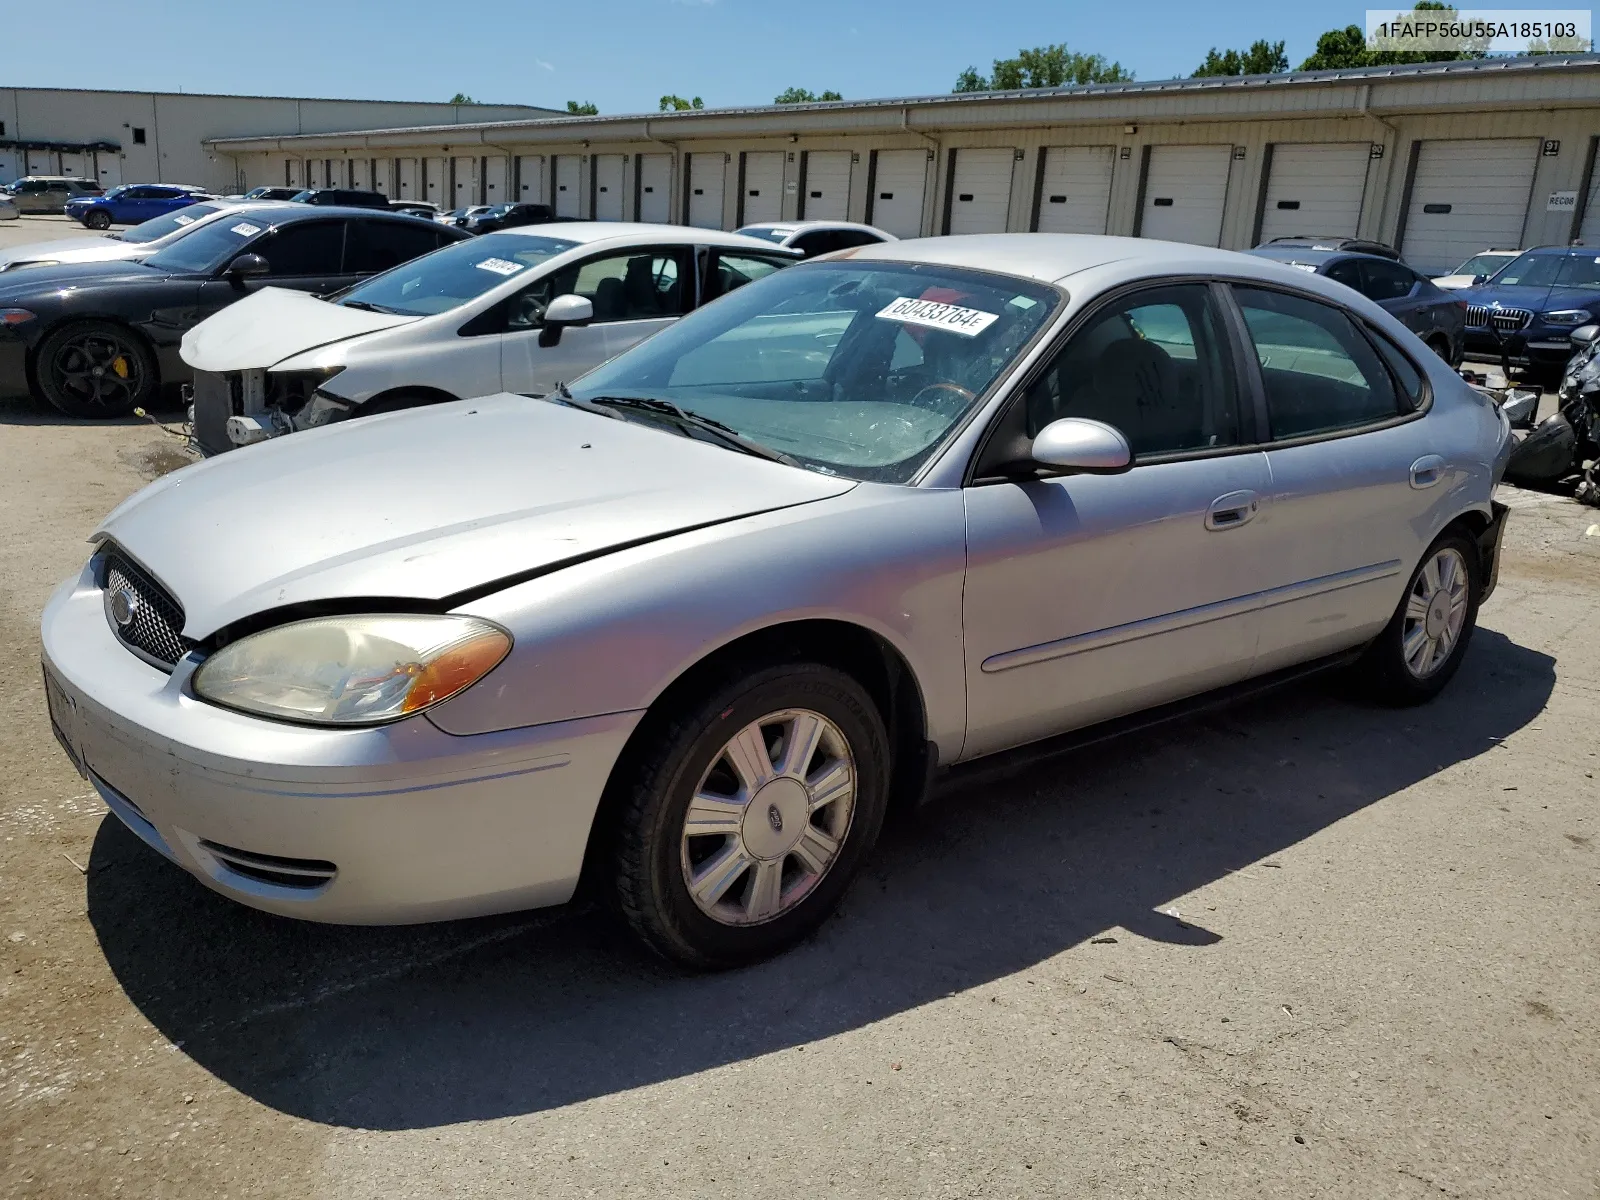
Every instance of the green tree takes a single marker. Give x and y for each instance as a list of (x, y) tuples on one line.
[(1043, 67), (1347, 47), (1263, 58), (679, 104), (582, 110), (796, 95), (462, 98)]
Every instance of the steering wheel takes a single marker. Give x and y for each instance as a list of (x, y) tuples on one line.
[(936, 392)]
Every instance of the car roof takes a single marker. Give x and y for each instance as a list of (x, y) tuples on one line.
[(599, 231), (788, 227), (1049, 257)]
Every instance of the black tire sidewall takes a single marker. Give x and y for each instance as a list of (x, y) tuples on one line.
[(677, 926), (1392, 682), (45, 358), (98, 220)]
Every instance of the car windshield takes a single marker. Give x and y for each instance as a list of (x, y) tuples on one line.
[(157, 227), (1482, 264), (450, 277), (765, 232), (855, 368), (206, 247)]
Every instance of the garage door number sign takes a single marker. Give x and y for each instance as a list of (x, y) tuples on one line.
[(1562, 202)]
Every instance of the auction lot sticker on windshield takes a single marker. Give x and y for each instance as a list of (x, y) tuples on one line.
[(185, 220), (969, 322), (245, 229), (500, 266)]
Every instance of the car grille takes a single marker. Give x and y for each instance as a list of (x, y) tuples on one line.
[(302, 873), (152, 621), (1506, 320)]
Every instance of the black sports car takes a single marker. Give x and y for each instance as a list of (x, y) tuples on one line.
[(97, 339)]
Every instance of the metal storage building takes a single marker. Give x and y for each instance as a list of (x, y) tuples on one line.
[(1442, 159)]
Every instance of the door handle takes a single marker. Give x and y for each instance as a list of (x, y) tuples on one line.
[(1427, 471), (1233, 510)]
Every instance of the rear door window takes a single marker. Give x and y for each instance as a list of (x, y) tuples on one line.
[(304, 248), (1321, 373), (1387, 280), (731, 270), (373, 246)]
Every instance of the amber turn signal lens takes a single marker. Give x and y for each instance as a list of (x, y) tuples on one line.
[(461, 666)]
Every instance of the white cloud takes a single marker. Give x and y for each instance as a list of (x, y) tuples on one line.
[(544, 66)]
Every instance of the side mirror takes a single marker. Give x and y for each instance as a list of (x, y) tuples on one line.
[(249, 266), (569, 309), (1584, 334), (1477, 279), (1079, 444)]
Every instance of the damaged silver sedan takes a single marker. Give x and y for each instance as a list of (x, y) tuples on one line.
[(687, 627)]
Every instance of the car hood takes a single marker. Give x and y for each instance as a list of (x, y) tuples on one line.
[(70, 250), (76, 274), (275, 324), (431, 503), (1507, 297)]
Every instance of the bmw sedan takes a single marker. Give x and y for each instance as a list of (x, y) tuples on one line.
[(96, 339), (688, 627), (520, 310), (1436, 316)]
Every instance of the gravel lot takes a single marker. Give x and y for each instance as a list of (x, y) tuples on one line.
[(1297, 947)]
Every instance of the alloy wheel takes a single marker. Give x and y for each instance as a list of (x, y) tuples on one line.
[(1436, 611), (98, 370), (769, 817)]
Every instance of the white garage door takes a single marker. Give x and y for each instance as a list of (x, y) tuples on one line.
[(1185, 193), (1075, 193), (565, 168), (762, 198), (1468, 196), (361, 173), (655, 188), (530, 178), (608, 186), (826, 194), (496, 180), (1315, 190), (383, 176), (706, 175), (1589, 231), (407, 184), (467, 184), (436, 181), (980, 191), (900, 180)]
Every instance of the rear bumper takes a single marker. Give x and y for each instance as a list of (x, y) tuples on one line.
[(1489, 548), (396, 824)]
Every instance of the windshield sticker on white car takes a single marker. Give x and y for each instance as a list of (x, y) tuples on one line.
[(968, 322), (500, 266), (245, 229), (185, 220)]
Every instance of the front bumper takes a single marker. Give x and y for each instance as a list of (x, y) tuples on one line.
[(390, 825), (1536, 346), (13, 362)]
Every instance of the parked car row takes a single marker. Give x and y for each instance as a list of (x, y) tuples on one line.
[(46, 193), (779, 541)]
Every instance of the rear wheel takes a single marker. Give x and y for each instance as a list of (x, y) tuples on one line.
[(745, 818), (98, 219), (1422, 646), (95, 369)]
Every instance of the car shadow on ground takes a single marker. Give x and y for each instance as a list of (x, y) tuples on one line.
[(25, 409), (431, 1025)]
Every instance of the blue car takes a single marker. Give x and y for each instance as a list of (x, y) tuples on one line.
[(1530, 307), (133, 203)]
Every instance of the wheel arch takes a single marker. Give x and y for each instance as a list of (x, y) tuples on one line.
[(31, 361), (869, 658), (390, 396)]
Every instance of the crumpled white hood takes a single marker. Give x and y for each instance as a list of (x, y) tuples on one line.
[(272, 325), (432, 502)]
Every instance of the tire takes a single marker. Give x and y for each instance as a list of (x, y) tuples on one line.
[(770, 862), (97, 218), (1394, 670), (94, 370)]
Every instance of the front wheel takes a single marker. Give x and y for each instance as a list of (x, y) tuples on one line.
[(95, 369), (98, 219), (1422, 646), (745, 818)]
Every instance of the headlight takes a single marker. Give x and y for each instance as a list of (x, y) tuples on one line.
[(1568, 316), (362, 670)]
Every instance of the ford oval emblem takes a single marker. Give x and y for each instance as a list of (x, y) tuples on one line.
[(775, 818), (123, 606)]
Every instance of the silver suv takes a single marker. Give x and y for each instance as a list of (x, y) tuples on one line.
[(49, 193)]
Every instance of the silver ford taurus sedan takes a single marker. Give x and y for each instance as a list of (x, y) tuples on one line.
[(688, 626)]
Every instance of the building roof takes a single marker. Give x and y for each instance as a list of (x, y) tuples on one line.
[(256, 96), (687, 123)]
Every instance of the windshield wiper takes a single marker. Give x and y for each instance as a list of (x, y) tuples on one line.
[(365, 307), (687, 419)]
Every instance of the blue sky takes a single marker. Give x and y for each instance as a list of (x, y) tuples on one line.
[(621, 54)]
